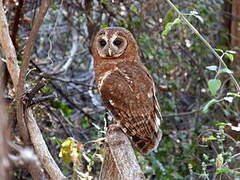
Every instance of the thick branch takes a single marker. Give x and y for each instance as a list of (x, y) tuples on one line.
[(24, 68), (120, 162), (3, 136), (41, 149), (8, 48)]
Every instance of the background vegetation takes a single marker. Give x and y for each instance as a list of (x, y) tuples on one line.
[(198, 99)]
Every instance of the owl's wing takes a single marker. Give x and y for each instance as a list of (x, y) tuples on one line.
[(129, 93)]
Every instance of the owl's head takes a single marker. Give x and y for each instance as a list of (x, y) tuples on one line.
[(114, 42)]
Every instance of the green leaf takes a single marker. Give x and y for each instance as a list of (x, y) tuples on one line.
[(104, 25), (233, 94), (210, 103), (56, 140), (177, 21), (169, 26), (230, 56), (212, 68), (211, 138), (221, 124), (69, 148), (214, 85), (133, 8), (220, 171), (219, 50), (225, 70)]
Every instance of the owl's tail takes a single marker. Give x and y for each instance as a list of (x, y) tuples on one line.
[(147, 145)]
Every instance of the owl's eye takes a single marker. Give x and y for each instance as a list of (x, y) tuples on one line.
[(102, 43), (117, 42)]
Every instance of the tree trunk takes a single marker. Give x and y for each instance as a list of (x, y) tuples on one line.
[(120, 162), (235, 35)]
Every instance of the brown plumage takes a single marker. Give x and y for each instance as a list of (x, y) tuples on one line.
[(126, 88)]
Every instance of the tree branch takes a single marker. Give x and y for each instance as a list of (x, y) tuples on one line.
[(8, 48), (26, 59), (41, 149), (120, 161)]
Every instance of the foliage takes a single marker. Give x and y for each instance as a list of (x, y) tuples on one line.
[(201, 144)]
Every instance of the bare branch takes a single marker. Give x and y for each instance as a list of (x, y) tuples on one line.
[(3, 137), (8, 48), (41, 149), (27, 158), (26, 59), (73, 51), (120, 161)]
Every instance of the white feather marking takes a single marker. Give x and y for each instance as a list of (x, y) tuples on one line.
[(111, 102), (150, 94), (102, 78), (114, 36), (157, 121)]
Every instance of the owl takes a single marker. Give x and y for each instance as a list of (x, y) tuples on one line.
[(126, 88)]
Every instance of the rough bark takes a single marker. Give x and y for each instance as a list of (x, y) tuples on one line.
[(3, 136), (41, 149), (120, 162), (235, 35), (29, 130), (8, 48)]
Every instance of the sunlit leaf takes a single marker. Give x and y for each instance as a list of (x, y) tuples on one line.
[(219, 161), (221, 124), (233, 94), (231, 52), (69, 151), (211, 138), (214, 85), (210, 103), (212, 68), (230, 56), (225, 70), (177, 21), (229, 99), (219, 50), (220, 171), (199, 18)]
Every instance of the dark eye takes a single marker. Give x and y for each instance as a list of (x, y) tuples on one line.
[(102, 43), (117, 42)]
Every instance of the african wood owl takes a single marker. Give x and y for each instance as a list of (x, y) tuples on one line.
[(126, 88)]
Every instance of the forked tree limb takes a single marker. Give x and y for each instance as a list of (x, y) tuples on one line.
[(28, 128), (23, 71), (120, 162), (42, 150)]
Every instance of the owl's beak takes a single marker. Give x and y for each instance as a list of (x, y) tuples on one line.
[(109, 52)]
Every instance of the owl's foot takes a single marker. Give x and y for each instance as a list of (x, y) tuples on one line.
[(114, 127)]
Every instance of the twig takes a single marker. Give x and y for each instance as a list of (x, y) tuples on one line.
[(204, 41), (120, 161), (181, 114), (72, 53), (41, 99)]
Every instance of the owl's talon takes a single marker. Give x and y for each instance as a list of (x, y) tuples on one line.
[(114, 127)]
